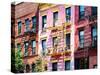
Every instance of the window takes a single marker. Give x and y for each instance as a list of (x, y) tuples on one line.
[(33, 46), (68, 41), (43, 46), (95, 66), (44, 21), (34, 22), (28, 68), (18, 47), (55, 42), (33, 67), (94, 36), (27, 22), (46, 68), (94, 10), (19, 27), (68, 14), (81, 11), (54, 66), (55, 17), (81, 63), (67, 65), (81, 38), (26, 48)]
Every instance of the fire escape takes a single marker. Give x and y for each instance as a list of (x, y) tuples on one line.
[(56, 51)]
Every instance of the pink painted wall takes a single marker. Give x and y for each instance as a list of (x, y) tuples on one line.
[(61, 20)]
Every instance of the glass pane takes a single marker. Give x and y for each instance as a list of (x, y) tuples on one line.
[(44, 20), (94, 10), (34, 19), (34, 43), (68, 11), (26, 46), (94, 31), (81, 38), (55, 15), (27, 21), (68, 39), (43, 44), (81, 8), (67, 65), (19, 27), (81, 33), (54, 66), (55, 42)]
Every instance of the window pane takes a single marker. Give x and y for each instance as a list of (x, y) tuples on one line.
[(81, 8), (55, 17), (67, 65), (34, 21), (68, 13), (33, 67), (27, 21), (54, 66), (94, 36), (34, 43), (68, 41), (94, 10), (26, 47), (44, 21), (43, 44), (81, 11), (94, 31), (19, 27), (81, 39), (55, 42), (27, 24)]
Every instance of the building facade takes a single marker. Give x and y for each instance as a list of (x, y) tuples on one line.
[(55, 22), (63, 36), (85, 37), (26, 33)]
